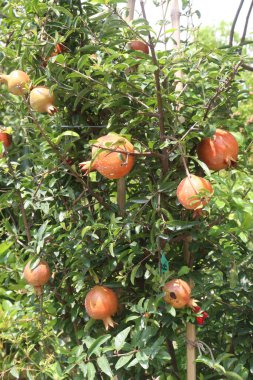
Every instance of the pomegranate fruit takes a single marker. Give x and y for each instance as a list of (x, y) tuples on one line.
[(139, 45), (201, 317), (5, 138), (41, 100), (219, 152), (17, 82), (178, 294), (111, 164), (101, 303), (38, 276), (194, 192)]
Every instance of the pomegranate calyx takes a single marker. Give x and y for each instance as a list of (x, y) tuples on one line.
[(109, 322), (192, 303), (51, 110), (86, 167), (4, 78), (38, 290)]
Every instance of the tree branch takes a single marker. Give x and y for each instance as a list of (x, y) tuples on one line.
[(154, 154), (231, 36), (63, 159), (247, 67), (246, 23), (22, 207), (222, 88), (164, 159), (173, 358)]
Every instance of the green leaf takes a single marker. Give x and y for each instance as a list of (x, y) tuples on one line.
[(91, 371), (133, 273), (65, 133), (233, 376), (104, 365), (97, 343), (122, 361), (121, 337), (5, 246), (14, 372), (183, 270), (143, 359)]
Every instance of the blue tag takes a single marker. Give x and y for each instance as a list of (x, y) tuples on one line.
[(164, 263)]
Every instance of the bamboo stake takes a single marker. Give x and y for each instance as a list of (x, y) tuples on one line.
[(175, 21), (130, 6), (121, 183), (190, 328), (191, 352)]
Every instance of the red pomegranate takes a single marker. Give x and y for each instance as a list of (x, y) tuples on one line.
[(219, 152), (5, 137), (201, 317), (194, 192), (101, 303), (38, 276), (110, 164), (42, 100), (178, 294), (17, 82), (139, 46)]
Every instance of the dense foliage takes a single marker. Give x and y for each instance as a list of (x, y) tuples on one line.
[(50, 211)]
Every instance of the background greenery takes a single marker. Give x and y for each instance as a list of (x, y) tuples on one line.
[(48, 210)]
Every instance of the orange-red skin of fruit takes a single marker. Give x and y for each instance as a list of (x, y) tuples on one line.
[(108, 163), (139, 45), (41, 100), (38, 276), (177, 293), (6, 138), (189, 192), (220, 151), (101, 302)]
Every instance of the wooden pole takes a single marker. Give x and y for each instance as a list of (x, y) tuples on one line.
[(191, 352), (190, 328), (121, 183), (130, 6)]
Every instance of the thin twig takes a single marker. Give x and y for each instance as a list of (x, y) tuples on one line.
[(222, 88), (164, 159), (125, 94), (173, 358), (154, 154), (231, 36), (247, 67), (246, 23), (64, 160), (22, 207)]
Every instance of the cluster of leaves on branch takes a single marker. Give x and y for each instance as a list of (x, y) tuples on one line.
[(50, 211)]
